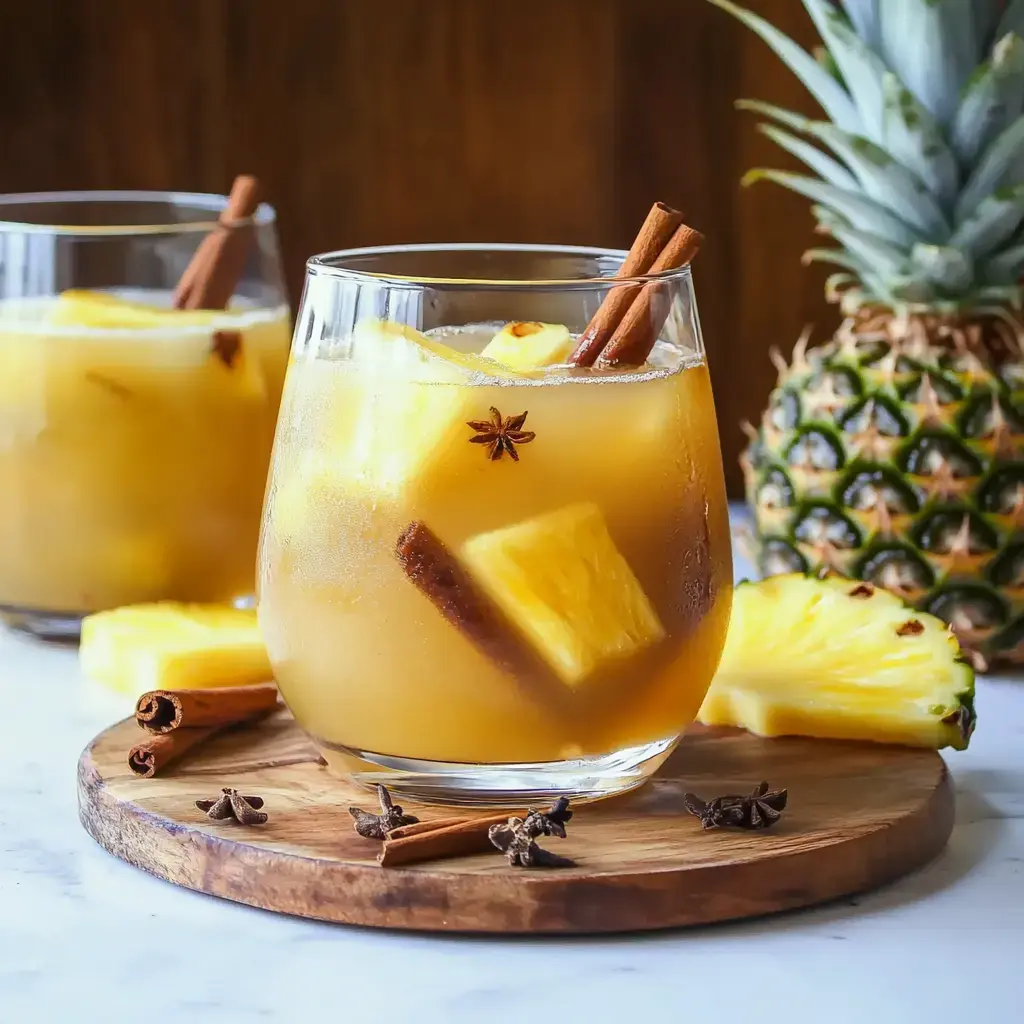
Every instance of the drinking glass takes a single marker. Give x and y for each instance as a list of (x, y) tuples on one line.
[(134, 438), (481, 580)]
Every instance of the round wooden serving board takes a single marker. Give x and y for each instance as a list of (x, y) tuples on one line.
[(859, 815)]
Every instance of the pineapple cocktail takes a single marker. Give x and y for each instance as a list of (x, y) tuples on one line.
[(483, 568), (134, 436)]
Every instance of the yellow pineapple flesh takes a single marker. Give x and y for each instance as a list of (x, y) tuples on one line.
[(529, 345), (840, 659), (82, 308), (167, 645), (565, 586)]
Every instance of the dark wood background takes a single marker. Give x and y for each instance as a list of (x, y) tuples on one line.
[(374, 121)]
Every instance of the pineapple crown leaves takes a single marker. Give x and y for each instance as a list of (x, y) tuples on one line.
[(919, 175)]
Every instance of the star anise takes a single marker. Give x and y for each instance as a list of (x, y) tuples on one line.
[(377, 826), (759, 810), (516, 838), (231, 804), (501, 434)]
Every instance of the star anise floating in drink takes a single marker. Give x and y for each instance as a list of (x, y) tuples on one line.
[(501, 434), (761, 809), (377, 826), (231, 804)]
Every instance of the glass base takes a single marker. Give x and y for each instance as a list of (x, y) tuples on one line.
[(501, 785), (60, 626)]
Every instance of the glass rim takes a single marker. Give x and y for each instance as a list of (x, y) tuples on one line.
[(213, 202), (325, 265)]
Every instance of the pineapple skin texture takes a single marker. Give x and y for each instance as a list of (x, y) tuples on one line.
[(172, 646), (903, 467), (813, 657)]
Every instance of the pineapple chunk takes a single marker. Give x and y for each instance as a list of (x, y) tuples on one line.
[(530, 345), (561, 581), (173, 646), (81, 308), (397, 348), (840, 659)]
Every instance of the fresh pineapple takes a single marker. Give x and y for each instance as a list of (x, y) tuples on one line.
[(529, 345), (173, 646), (562, 582), (83, 308), (840, 659), (894, 453)]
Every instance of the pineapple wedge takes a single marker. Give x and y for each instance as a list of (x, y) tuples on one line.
[(563, 584), (842, 660), (82, 308), (528, 345), (173, 646)]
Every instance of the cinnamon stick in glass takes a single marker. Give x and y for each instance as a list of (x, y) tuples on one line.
[(648, 245), (638, 330), (163, 711), (211, 277)]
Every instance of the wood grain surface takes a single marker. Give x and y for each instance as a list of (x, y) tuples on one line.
[(858, 816), (439, 120)]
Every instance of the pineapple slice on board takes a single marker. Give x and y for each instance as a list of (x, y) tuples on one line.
[(565, 586), (172, 646), (840, 659)]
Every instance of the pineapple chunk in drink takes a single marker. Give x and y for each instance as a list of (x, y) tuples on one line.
[(561, 581)]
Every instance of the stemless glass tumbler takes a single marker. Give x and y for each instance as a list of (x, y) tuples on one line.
[(134, 437), (486, 575)]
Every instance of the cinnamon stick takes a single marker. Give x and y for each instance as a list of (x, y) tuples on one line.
[(404, 831), (163, 711), (654, 235), (159, 749), (211, 277), (454, 841), (438, 574), (636, 334)]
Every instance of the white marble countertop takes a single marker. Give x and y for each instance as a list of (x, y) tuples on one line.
[(86, 938)]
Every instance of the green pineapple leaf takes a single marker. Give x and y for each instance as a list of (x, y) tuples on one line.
[(837, 258), (877, 173), (993, 99), (915, 140), (862, 69), (863, 15), (1004, 267), (826, 90), (952, 270), (873, 251), (992, 222), (828, 169), (932, 47), (1000, 165), (862, 213)]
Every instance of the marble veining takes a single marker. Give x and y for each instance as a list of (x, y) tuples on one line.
[(86, 938)]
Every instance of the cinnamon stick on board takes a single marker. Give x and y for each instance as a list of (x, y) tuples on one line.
[(468, 837), (178, 720), (636, 334), (160, 749), (163, 711), (404, 831), (211, 277), (654, 235)]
